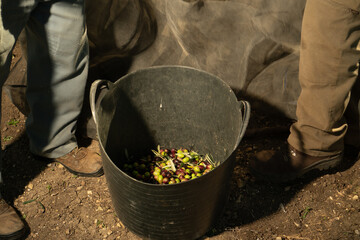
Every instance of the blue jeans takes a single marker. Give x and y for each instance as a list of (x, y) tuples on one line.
[(57, 51)]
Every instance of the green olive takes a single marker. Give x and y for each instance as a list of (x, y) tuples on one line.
[(186, 159), (160, 179)]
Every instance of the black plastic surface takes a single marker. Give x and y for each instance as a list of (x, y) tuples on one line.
[(171, 106)]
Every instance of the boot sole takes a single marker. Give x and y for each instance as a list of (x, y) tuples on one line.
[(98, 173), (323, 165), (16, 235)]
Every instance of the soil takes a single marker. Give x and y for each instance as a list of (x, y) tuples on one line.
[(56, 204)]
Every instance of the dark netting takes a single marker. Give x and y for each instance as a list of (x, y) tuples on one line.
[(253, 45)]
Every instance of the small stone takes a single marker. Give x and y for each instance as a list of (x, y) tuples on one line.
[(240, 183), (296, 224), (89, 192), (355, 197), (248, 149), (357, 232), (67, 231), (103, 231), (60, 166), (30, 186), (278, 238)]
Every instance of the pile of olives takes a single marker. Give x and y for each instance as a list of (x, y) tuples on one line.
[(169, 166)]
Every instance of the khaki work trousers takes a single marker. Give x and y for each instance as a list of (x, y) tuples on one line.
[(328, 75)]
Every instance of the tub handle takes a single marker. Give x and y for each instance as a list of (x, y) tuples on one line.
[(96, 87), (245, 106)]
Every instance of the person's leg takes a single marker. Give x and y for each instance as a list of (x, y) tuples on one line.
[(327, 72), (13, 17), (58, 59), (352, 115), (57, 74)]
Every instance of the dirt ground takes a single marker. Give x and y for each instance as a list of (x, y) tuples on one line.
[(56, 204)]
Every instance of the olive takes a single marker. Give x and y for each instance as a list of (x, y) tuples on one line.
[(160, 179), (165, 180), (185, 159), (197, 169)]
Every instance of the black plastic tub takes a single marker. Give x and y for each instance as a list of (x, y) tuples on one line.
[(170, 106)]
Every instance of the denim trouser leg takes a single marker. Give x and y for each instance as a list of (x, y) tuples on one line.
[(57, 74), (57, 67)]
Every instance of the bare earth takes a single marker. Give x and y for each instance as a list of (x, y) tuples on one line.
[(56, 204)]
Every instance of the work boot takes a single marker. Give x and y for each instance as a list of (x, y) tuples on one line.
[(288, 164), (11, 226), (83, 161)]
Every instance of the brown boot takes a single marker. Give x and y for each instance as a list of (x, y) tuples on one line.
[(288, 164), (83, 161), (11, 226)]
